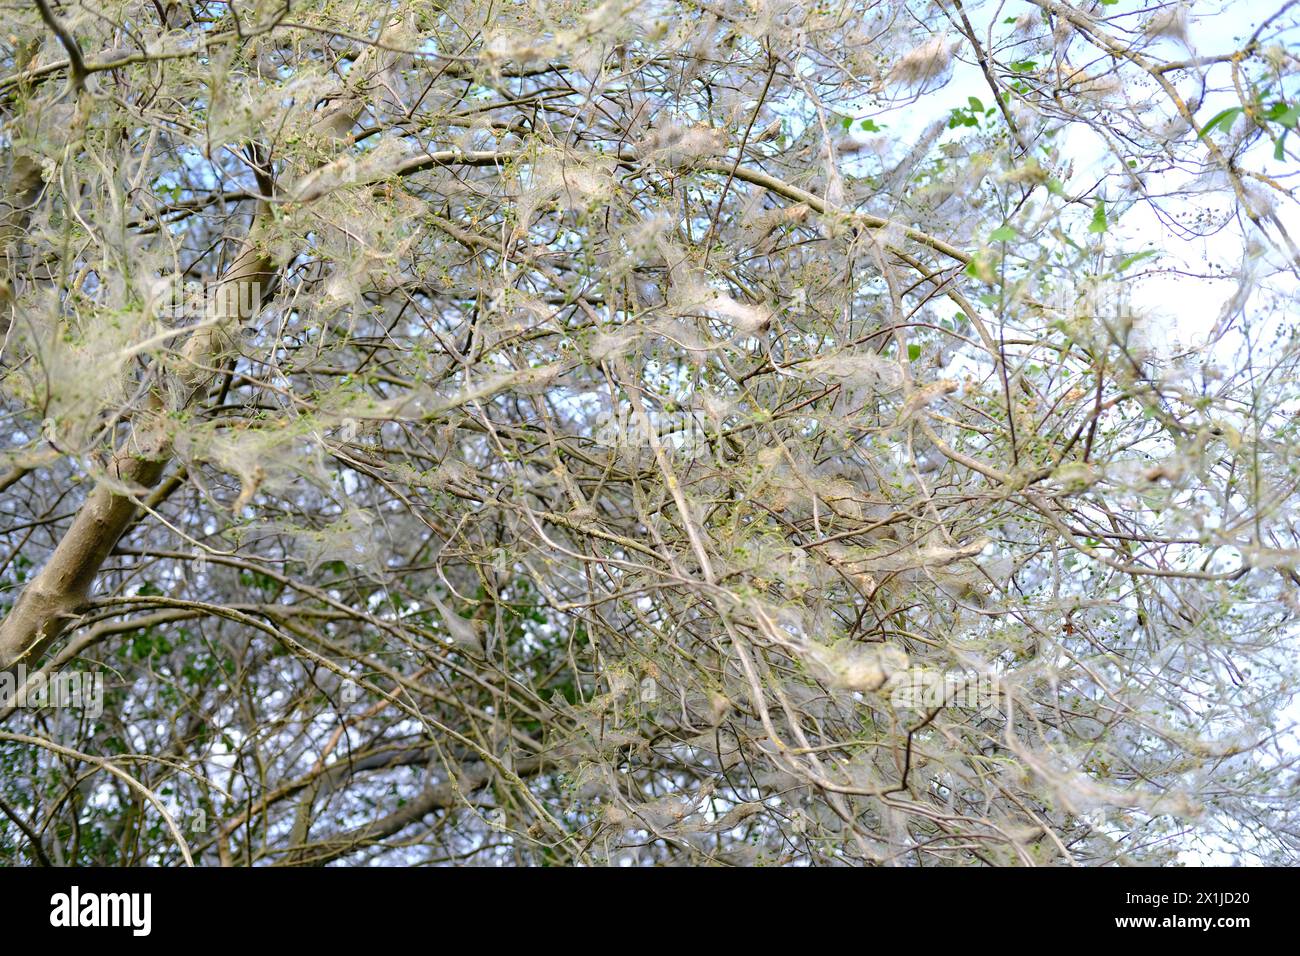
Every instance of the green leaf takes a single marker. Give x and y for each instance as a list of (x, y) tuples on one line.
[(1281, 113), (913, 353), (1136, 257), (975, 104), (1223, 119), (1099, 223), (1003, 234), (869, 126), (961, 116)]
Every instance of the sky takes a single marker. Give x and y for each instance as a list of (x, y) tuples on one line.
[(1180, 312)]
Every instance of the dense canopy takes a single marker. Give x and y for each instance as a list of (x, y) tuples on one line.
[(649, 431)]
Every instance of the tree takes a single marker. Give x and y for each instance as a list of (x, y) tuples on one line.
[(689, 432)]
